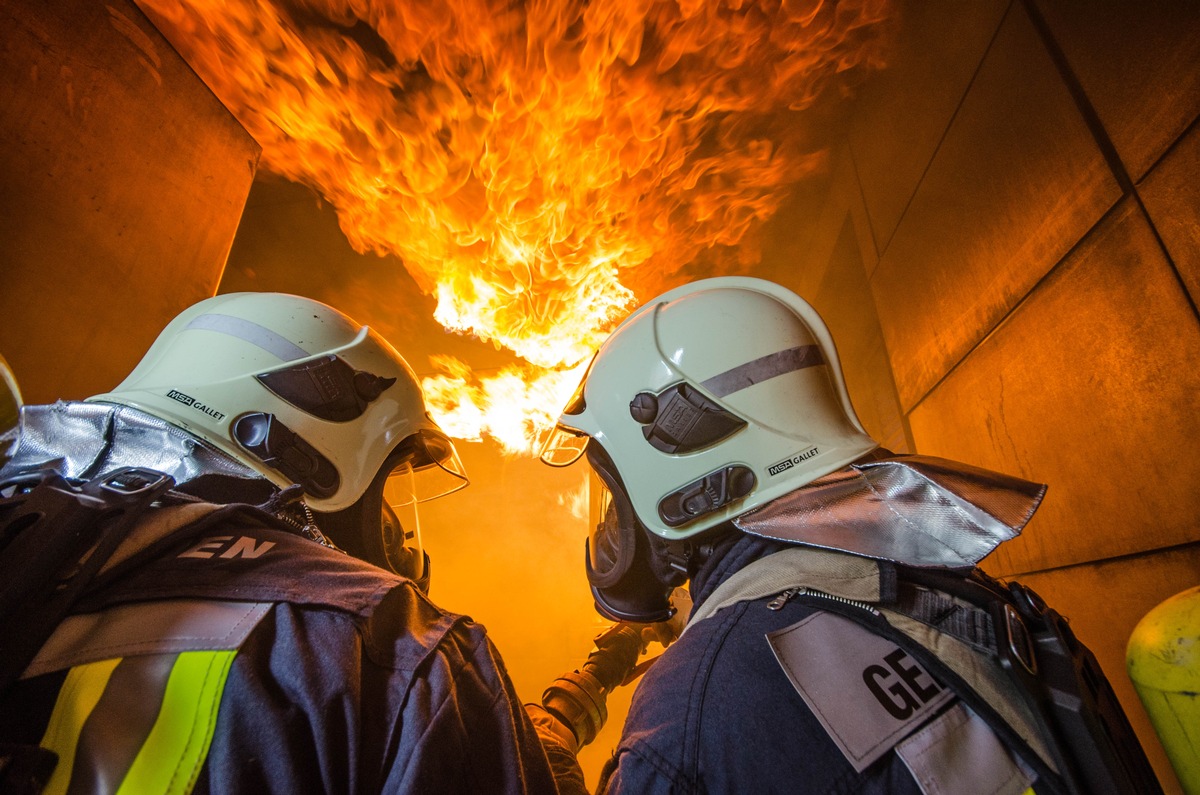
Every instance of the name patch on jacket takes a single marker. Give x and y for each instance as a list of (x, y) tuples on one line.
[(228, 547), (865, 690)]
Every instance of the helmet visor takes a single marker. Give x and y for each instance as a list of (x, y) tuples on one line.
[(609, 549), (437, 470), (612, 537), (401, 525), (564, 446)]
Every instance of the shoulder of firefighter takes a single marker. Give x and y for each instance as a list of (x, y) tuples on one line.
[(919, 680), (154, 643)]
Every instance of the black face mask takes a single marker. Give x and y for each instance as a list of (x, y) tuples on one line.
[(626, 568), (370, 530)]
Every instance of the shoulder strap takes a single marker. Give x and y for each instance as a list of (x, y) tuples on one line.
[(966, 682), (55, 537), (866, 590), (1060, 679)]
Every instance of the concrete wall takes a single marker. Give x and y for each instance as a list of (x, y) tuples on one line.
[(1018, 193), (122, 179)]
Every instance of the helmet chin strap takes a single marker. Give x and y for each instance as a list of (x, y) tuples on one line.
[(687, 556)]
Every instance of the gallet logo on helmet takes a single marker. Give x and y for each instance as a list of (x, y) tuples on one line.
[(788, 463), (188, 400)]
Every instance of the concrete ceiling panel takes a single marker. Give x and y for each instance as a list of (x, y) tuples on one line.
[(122, 180)]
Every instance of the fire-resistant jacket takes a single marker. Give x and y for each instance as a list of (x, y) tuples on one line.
[(775, 694), (247, 659)]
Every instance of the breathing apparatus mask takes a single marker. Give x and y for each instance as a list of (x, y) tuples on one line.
[(422, 468), (628, 569)]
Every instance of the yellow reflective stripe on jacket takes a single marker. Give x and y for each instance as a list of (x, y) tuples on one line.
[(171, 757), (167, 752), (80, 692)]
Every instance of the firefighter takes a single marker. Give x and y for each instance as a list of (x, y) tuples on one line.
[(841, 639), (214, 581)]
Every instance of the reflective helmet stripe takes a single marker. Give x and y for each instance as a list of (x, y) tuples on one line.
[(251, 332), (762, 369), (146, 722)]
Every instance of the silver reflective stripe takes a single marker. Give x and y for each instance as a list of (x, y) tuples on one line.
[(865, 690), (251, 332), (166, 627), (958, 752), (763, 368), (913, 509)]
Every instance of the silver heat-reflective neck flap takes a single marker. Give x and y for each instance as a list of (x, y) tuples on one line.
[(79, 440), (865, 690), (914, 510)]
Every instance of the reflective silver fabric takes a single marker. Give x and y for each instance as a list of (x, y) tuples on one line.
[(915, 510), (82, 440)]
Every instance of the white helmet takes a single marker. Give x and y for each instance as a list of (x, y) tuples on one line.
[(299, 392), (707, 402), (713, 399)]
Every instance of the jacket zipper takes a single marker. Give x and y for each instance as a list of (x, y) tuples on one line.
[(782, 599)]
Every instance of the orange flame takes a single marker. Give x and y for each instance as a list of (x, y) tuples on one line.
[(535, 165), (514, 407)]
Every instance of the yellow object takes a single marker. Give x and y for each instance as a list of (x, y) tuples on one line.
[(1163, 659), (10, 413)]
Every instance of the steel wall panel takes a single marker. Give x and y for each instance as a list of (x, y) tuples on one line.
[(827, 264), (1016, 183), (1138, 64), (1088, 388), (843, 297), (122, 180), (903, 112), (1172, 196)]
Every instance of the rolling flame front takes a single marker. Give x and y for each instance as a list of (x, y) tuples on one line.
[(537, 166)]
